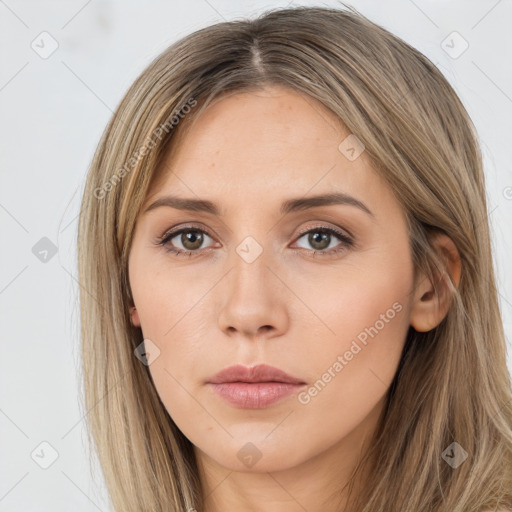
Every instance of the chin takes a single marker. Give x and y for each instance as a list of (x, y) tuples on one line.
[(256, 457)]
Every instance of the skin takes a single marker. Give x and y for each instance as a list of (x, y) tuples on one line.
[(248, 153)]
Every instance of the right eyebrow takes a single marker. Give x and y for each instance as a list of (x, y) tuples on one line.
[(182, 203)]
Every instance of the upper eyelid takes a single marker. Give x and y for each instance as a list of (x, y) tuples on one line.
[(171, 233), (338, 231)]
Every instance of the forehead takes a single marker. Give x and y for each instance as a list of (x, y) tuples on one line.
[(266, 145)]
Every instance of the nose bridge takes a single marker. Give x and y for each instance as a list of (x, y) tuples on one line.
[(250, 250), (249, 262)]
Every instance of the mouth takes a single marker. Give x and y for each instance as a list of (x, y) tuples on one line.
[(254, 387)]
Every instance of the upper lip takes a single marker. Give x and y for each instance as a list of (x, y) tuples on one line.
[(258, 373)]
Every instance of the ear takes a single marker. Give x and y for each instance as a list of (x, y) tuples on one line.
[(134, 315), (432, 300)]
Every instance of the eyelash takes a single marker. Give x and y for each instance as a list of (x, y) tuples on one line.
[(347, 241)]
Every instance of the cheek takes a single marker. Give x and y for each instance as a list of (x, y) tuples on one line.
[(169, 305), (166, 297), (367, 315), (173, 316), (348, 378), (368, 299)]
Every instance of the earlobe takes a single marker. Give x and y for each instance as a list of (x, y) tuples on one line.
[(432, 301), (134, 316)]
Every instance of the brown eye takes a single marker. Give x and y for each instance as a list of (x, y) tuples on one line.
[(325, 241), (185, 241), (319, 240), (191, 240)]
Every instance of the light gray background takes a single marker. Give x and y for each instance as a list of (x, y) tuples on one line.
[(53, 111)]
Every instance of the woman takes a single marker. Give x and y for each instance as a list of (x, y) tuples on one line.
[(288, 298)]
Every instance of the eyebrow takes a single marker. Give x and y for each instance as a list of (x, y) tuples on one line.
[(291, 205)]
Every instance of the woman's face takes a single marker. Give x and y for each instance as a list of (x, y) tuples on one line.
[(254, 291)]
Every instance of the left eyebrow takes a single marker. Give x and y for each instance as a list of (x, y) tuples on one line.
[(291, 205), (304, 203)]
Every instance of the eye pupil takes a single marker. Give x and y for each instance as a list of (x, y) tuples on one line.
[(318, 237), (194, 237)]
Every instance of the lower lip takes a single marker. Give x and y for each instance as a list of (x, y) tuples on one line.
[(256, 395)]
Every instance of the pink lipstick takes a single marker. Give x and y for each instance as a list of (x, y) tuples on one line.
[(254, 387)]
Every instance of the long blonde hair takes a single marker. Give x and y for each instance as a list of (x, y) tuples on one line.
[(452, 384)]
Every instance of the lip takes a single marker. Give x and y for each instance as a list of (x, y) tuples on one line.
[(254, 387)]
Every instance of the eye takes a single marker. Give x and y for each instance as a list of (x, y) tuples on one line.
[(188, 240), (321, 238)]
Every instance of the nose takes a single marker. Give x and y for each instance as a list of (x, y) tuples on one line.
[(253, 303)]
